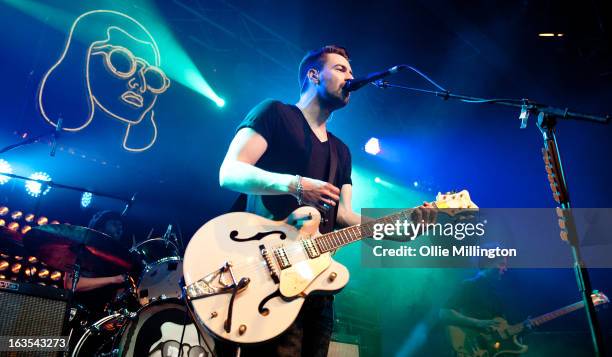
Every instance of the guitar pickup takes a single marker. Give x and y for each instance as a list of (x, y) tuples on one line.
[(281, 257), (310, 248)]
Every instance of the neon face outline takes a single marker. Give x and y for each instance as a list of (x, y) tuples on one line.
[(137, 97)]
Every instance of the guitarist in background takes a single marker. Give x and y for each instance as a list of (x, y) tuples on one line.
[(474, 305), (283, 157)]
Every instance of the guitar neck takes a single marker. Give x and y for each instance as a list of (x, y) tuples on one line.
[(537, 321), (334, 240)]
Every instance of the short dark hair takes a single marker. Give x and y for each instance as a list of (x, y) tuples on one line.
[(315, 59), (99, 219)]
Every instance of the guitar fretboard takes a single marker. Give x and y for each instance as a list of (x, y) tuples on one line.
[(334, 240), (537, 321)]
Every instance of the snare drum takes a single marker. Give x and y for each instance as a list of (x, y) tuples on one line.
[(163, 269), (154, 331)]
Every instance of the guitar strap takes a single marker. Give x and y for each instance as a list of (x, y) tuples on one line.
[(333, 161), (329, 215)]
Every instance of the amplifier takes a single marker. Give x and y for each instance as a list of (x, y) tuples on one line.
[(32, 310)]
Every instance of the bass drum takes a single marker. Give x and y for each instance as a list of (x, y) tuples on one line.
[(154, 331)]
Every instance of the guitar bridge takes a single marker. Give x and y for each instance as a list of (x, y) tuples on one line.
[(218, 282)]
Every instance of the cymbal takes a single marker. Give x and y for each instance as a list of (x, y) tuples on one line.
[(11, 242), (61, 246)]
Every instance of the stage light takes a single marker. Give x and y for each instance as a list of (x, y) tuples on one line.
[(16, 215), (372, 147), (4, 265), (550, 34), (415, 184), (30, 271), (25, 229), (32, 260), (56, 275), (29, 217), (381, 182), (4, 210), (5, 168), (13, 226), (16, 268), (43, 273), (2, 223), (34, 188), (2, 276), (86, 199), (54, 222), (41, 221)]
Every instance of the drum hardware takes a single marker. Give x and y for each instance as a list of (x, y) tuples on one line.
[(156, 290), (77, 249)]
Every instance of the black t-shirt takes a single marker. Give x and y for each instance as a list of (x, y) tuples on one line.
[(477, 298), (294, 149)]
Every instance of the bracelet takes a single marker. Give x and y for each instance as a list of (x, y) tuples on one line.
[(299, 189)]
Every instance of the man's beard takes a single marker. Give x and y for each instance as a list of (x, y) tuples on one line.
[(335, 101)]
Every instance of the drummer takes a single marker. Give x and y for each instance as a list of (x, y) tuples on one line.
[(93, 291)]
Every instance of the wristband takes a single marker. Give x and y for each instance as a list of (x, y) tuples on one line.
[(299, 190)]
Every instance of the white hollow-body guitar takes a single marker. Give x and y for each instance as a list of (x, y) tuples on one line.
[(246, 276)]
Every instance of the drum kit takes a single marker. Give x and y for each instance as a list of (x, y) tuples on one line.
[(148, 318)]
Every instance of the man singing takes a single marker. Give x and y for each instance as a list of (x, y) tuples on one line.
[(282, 150)]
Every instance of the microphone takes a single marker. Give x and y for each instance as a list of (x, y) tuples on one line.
[(354, 84)]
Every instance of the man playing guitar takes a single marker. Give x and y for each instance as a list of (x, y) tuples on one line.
[(283, 150)]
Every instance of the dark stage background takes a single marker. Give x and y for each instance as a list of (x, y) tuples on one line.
[(247, 51)]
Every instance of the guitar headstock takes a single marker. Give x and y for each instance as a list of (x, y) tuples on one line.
[(599, 298), (455, 202)]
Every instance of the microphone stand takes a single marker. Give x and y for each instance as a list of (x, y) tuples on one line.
[(546, 122)]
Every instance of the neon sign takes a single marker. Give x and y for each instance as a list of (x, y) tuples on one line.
[(122, 77)]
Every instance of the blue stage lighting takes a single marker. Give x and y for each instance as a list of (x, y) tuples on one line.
[(372, 147), (34, 188), (86, 198), (377, 179), (5, 168)]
